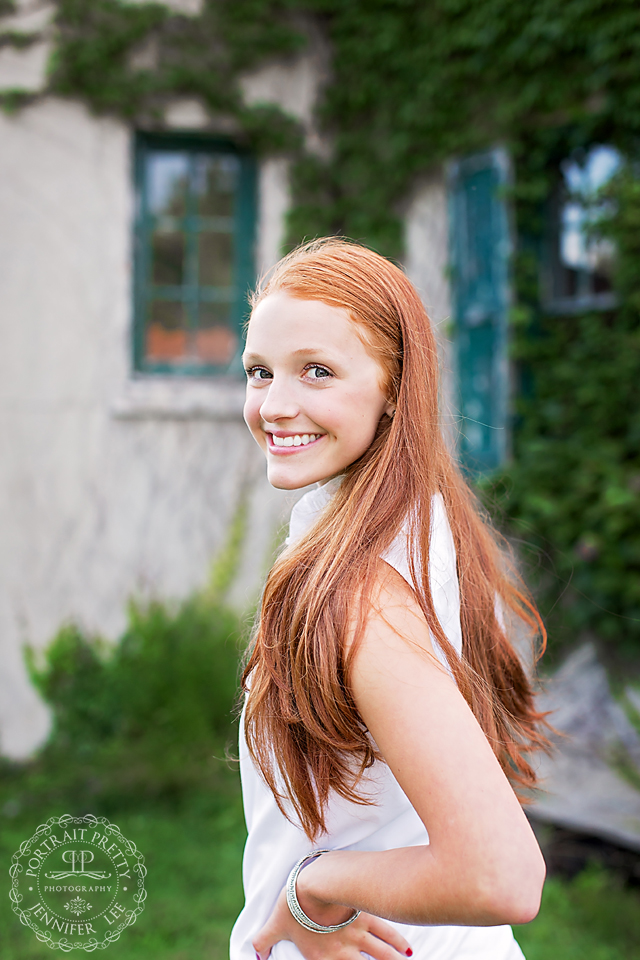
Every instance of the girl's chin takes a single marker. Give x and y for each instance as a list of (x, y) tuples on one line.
[(292, 479), (290, 483)]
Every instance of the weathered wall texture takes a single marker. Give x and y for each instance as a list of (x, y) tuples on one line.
[(25, 68), (110, 485), (427, 248)]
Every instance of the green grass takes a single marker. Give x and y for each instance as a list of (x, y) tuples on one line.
[(194, 889), (589, 918)]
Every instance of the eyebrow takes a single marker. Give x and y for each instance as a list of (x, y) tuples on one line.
[(256, 358)]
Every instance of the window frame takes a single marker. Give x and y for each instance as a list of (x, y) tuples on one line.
[(551, 264), (146, 143)]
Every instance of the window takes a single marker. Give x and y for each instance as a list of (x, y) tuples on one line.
[(579, 262), (194, 254)]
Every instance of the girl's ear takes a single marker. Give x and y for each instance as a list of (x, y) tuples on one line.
[(390, 411)]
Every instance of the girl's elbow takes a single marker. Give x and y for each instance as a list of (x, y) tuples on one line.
[(515, 897), (524, 906)]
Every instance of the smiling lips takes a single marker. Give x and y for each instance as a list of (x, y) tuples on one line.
[(295, 440)]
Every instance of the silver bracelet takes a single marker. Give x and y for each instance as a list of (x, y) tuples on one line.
[(294, 906)]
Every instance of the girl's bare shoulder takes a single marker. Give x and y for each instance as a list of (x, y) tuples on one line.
[(390, 614)]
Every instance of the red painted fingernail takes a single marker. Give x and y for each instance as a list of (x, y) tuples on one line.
[(409, 952)]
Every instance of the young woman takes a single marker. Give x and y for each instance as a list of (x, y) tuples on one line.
[(387, 712)]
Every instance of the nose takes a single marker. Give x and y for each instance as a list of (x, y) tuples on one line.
[(280, 402)]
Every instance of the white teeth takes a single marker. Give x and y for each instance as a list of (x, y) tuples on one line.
[(296, 441)]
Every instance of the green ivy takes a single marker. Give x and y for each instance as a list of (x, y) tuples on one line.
[(17, 39), (98, 40), (415, 83), (412, 84), (572, 494)]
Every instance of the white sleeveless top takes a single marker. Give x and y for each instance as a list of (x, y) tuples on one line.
[(274, 844)]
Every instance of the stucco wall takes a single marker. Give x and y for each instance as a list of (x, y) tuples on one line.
[(426, 263), (113, 485), (110, 486)]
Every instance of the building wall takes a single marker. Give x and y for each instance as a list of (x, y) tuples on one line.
[(426, 264), (113, 486)]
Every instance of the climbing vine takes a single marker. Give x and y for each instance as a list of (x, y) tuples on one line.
[(129, 60), (412, 84), (415, 83), (572, 494)]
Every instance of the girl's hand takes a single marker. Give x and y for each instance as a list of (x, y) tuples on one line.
[(366, 934)]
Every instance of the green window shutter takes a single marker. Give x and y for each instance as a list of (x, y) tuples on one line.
[(194, 254), (480, 253)]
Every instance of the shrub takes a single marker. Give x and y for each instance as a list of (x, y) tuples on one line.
[(148, 718)]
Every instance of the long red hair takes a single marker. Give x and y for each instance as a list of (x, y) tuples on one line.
[(302, 725)]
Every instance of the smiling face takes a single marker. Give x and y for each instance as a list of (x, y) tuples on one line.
[(314, 392)]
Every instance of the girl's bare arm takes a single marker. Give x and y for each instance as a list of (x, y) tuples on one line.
[(483, 865)]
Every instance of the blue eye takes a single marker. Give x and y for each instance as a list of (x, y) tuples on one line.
[(256, 373), (315, 372)]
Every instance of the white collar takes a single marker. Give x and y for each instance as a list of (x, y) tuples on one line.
[(309, 507)]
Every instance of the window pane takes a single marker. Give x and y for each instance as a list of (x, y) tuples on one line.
[(215, 253), (216, 342), (216, 183), (585, 258), (167, 178), (166, 337), (194, 252), (584, 176), (573, 246), (168, 257), (601, 263)]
